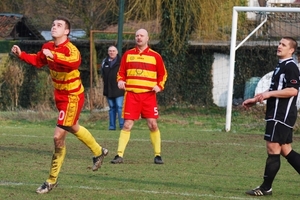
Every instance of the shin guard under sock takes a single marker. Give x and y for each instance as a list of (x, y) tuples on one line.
[(86, 137), (123, 141), (156, 142), (271, 169), (56, 163), (294, 159)]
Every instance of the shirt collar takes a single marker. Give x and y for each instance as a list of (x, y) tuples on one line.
[(145, 50), (62, 44), (282, 60)]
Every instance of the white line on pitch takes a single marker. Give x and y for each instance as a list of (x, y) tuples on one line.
[(142, 140), (3, 183)]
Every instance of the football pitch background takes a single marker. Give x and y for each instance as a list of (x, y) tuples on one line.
[(201, 161)]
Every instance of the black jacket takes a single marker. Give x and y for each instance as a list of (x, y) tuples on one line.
[(109, 74)]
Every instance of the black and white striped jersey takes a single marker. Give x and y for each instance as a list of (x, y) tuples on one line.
[(283, 110)]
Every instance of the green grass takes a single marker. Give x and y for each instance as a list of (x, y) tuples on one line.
[(201, 160)]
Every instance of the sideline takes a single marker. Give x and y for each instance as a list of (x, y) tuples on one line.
[(3, 183), (140, 140)]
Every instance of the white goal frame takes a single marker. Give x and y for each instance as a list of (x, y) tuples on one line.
[(233, 48)]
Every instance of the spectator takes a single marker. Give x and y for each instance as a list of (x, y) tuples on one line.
[(114, 95)]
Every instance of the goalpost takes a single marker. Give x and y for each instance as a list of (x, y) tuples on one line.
[(233, 47)]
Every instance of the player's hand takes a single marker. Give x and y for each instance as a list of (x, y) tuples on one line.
[(48, 53), (121, 85), (250, 102), (16, 50), (262, 96), (156, 89)]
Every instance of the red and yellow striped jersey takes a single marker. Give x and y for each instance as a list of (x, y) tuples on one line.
[(142, 70), (63, 67)]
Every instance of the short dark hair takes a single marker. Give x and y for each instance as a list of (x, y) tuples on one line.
[(67, 21), (293, 43)]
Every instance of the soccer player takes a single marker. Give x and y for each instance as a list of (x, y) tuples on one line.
[(63, 60), (281, 115), (142, 74)]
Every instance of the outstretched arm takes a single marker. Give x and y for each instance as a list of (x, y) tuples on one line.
[(38, 60), (250, 102)]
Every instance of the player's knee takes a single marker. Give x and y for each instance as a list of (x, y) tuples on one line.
[(128, 124), (286, 149), (152, 126), (58, 141)]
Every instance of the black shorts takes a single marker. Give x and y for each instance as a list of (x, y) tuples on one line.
[(278, 132)]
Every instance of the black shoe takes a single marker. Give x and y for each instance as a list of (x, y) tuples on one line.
[(97, 161), (117, 160), (259, 192), (158, 160)]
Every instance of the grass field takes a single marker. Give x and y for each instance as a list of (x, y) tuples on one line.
[(201, 161)]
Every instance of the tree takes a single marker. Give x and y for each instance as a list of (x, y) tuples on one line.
[(177, 24), (13, 85)]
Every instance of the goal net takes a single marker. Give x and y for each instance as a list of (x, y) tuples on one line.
[(255, 35)]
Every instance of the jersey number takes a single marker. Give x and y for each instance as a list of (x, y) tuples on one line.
[(155, 111), (61, 115)]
